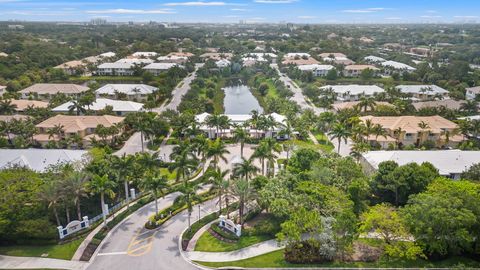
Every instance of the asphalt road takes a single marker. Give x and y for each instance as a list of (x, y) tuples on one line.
[(131, 246), (298, 96), (178, 92)]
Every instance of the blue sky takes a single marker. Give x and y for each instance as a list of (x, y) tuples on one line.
[(300, 11)]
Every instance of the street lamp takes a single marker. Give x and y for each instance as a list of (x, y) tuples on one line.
[(199, 212)]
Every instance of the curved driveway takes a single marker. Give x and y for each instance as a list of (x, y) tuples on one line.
[(130, 246)]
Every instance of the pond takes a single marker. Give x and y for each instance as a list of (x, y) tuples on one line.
[(239, 100)]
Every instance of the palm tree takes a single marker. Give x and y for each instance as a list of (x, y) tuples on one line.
[(261, 152), (184, 161), (76, 106), (223, 123), (245, 169), (272, 147), (123, 166), (217, 178), (339, 132), (469, 106), (241, 190), (188, 197), (75, 185), (217, 150), (214, 121), (55, 130), (378, 130), (365, 103), (156, 184), (148, 161), (6, 107), (240, 135), (104, 186), (51, 194), (397, 133), (358, 149)]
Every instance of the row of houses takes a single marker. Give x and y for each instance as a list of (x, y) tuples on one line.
[(417, 93)]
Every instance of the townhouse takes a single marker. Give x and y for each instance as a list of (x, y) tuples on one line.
[(353, 92), (316, 69), (133, 92), (157, 68), (119, 107), (115, 69), (356, 70), (44, 91), (472, 93), (424, 92), (414, 130)]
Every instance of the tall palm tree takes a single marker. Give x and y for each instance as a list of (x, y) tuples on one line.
[(184, 162), (273, 148), (217, 150), (245, 169), (104, 186), (122, 168), (214, 121), (339, 132), (261, 152), (469, 106), (397, 133), (75, 185), (241, 190), (358, 149), (217, 178), (51, 193), (155, 184), (55, 130), (378, 131), (188, 197), (148, 161), (223, 123), (240, 135)]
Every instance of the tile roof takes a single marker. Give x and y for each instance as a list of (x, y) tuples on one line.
[(72, 123), (101, 103), (23, 104), (53, 88), (40, 159), (409, 124), (128, 89)]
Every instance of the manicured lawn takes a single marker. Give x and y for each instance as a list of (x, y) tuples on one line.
[(208, 243), (308, 144), (275, 260), (171, 176), (64, 251)]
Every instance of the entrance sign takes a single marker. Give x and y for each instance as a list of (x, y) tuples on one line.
[(73, 227), (230, 226)]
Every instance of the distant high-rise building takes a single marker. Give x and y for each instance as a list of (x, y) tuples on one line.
[(98, 21)]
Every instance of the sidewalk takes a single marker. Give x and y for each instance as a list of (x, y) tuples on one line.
[(9, 262), (244, 253), (78, 254)]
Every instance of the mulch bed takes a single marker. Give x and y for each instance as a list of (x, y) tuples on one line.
[(219, 237)]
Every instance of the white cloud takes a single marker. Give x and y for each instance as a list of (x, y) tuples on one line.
[(430, 16), (466, 17), (393, 18), (365, 10), (238, 9), (307, 17), (131, 11), (431, 11), (197, 4), (275, 1)]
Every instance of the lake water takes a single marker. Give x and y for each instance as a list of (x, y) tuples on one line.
[(239, 100)]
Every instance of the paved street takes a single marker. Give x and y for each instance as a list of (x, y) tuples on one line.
[(132, 145), (178, 92), (130, 246), (298, 96), (10, 262), (344, 148)]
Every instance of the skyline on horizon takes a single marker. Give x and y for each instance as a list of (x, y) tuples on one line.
[(250, 11)]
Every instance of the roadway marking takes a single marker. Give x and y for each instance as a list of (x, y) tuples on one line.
[(112, 253), (139, 245)]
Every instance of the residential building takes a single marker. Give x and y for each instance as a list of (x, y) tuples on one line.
[(82, 126), (119, 107), (472, 93), (22, 104), (115, 69), (222, 63), (44, 91), (336, 58), (175, 57), (373, 59), (72, 67), (353, 92), (414, 130), (133, 92), (421, 51), (394, 66), (261, 57), (240, 120), (424, 92), (8, 118), (216, 56), (157, 68), (136, 61), (444, 103), (354, 104), (316, 69), (449, 163), (144, 54), (107, 55), (356, 70), (40, 160)]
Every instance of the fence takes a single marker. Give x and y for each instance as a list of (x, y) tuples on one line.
[(114, 208)]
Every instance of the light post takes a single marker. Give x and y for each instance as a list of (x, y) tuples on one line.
[(199, 212)]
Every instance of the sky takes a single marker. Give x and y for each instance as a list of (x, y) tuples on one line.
[(251, 11)]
